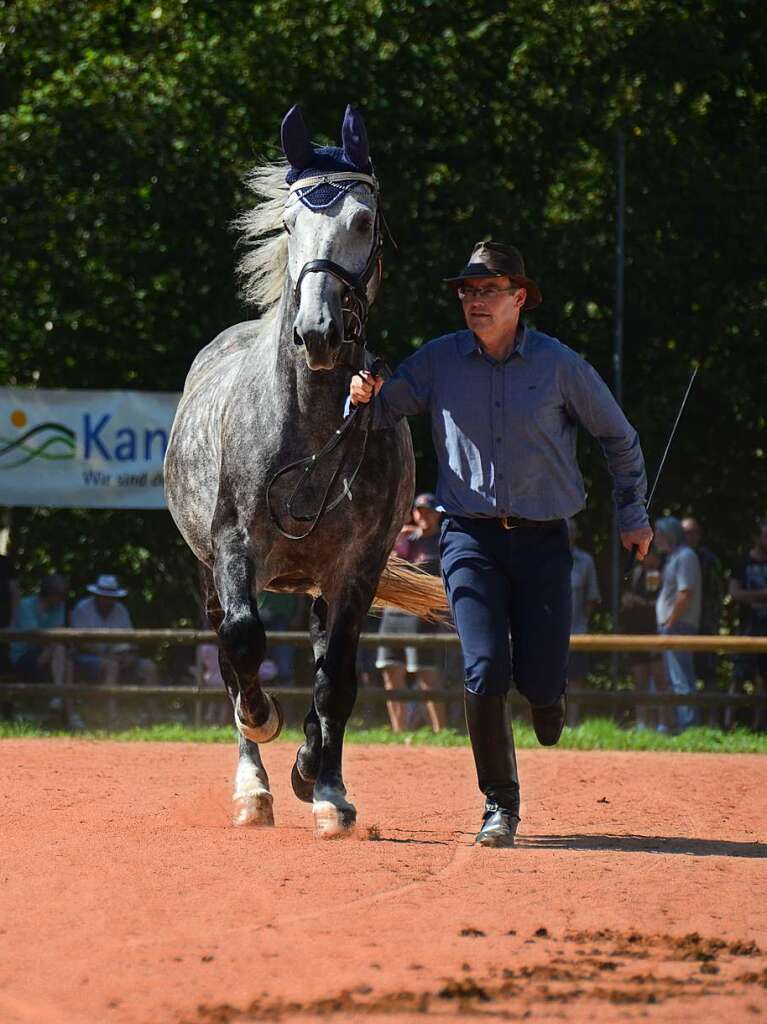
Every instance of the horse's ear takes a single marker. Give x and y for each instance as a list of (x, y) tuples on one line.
[(296, 144), (355, 139)]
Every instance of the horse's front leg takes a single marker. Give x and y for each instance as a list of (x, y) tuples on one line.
[(252, 798), (257, 714), (335, 690)]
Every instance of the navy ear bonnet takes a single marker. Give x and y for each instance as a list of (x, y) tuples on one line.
[(307, 161)]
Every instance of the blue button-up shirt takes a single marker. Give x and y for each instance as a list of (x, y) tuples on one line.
[(505, 432)]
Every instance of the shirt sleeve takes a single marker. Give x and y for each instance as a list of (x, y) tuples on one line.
[(407, 392), (591, 403)]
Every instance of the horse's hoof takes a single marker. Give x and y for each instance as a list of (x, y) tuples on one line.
[(268, 730), (332, 821), (303, 788), (253, 809)]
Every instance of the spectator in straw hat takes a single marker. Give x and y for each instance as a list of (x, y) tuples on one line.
[(102, 662), (505, 401)]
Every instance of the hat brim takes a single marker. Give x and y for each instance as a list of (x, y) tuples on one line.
[(533, 299), (93, 589)]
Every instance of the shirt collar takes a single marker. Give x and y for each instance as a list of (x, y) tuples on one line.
[(467, 342)]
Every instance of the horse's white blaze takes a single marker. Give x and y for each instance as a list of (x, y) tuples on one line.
[(259, 733), (252, 799)]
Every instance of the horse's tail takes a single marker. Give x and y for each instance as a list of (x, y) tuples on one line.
[(410, 589)]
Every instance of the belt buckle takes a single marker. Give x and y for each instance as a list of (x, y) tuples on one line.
[(506, 524)]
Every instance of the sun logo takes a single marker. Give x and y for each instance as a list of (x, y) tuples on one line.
[(49, 441)]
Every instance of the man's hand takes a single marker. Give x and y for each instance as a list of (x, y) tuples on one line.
[(363, 386), (639, 539)]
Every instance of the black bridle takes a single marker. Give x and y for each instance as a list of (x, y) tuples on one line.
[(356, 307)]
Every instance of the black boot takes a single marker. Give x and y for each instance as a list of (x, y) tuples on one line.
[(549, 720), (492, 743)]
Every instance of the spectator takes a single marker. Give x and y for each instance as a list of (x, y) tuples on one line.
[(108, 663), (8, 601), (278, 612), (41, 663), (678, 609), (748, 586), (712, 581), (418, 543), (586, 597), (638, 617)]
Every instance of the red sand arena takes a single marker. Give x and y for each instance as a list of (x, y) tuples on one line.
[(638, 890)]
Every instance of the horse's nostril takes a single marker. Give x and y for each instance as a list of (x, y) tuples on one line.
[(297, 339)]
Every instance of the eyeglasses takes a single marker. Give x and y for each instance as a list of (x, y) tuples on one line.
[(469, 293)]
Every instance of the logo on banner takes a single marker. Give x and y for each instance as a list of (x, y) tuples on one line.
[(51, 441)]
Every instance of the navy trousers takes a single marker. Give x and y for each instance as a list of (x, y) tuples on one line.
[(510, 584)]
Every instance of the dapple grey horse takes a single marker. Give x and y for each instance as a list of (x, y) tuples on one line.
[(263, 395)]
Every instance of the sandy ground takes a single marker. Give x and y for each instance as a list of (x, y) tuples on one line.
[(638, 889)]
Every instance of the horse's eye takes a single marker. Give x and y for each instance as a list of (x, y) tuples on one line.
[(363, 224)]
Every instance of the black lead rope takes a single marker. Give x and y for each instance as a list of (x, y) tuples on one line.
[(357, 420)]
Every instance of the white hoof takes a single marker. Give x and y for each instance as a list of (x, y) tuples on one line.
[(333, 819), (253, 809), (269, 730)]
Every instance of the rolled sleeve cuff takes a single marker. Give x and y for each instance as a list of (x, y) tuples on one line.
[(632, 516)]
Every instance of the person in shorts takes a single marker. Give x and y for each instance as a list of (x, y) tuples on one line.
[(418, 543)]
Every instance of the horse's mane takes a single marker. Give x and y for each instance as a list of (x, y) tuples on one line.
[(263, 267)]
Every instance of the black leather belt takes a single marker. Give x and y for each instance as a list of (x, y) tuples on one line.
[(515, 522)]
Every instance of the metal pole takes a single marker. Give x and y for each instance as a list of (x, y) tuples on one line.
[(618, 362)]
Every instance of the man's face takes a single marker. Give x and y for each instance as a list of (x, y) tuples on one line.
[(104, 605), (691, 529), (495, 315), (426, 518)]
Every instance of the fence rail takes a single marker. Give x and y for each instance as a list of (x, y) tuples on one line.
[(578, 642), (612, 699)]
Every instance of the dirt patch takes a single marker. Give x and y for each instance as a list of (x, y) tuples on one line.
[(125, 896)]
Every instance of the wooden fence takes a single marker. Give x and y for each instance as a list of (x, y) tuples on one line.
[(606, 699)]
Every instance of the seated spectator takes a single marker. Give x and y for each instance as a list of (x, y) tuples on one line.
[(108, 663), (41, 663), (418, 543), (748, 586), (677, 609)]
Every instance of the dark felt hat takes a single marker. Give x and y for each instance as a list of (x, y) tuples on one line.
[(496, 259)]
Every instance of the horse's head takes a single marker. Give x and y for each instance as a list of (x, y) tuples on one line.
[(334, 242)]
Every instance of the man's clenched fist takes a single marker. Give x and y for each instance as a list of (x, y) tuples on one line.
[(363, 386)]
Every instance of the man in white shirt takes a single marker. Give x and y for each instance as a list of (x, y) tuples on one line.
[(102, 662), (678, 608)]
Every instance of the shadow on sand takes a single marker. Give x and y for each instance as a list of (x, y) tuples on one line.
[(646, 844)]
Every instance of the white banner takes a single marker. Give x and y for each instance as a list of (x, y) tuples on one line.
[(84, 449)]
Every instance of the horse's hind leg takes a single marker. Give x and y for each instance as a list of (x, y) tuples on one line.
[(307, 763), (252, 798), (257, 714)]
